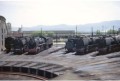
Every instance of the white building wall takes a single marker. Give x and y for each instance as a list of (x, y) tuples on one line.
[(3, 32)]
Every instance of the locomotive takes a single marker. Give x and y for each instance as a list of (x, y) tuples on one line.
[(17, 46), (108, 45), (8, 44), (70, 44), (86, 45), (38, 44), (32, 45), (102, 44)]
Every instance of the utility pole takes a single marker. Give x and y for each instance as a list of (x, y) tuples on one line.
[(76, 30), (105, 33), (56, 39), (103, 30), (113, 31), (41, 31), (118, 31), (21, 30), (92, 31)]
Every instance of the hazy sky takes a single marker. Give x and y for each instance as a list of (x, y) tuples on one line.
[(53, 12)]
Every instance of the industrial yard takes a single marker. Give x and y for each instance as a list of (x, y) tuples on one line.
[(73, 67), (78, 57), (60, 40)]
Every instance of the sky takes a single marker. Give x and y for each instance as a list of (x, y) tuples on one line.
[(53, 12)]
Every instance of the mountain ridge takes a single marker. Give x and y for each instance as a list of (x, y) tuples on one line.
[(102, 26)]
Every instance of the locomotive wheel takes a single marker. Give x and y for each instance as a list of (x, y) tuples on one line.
[(22, 51), (45, 47), (109, 49), (86, 50), (7, 50), (50, 45), (81, 52), (38, 50), (41, 48), (102, 51), (69, 50), (96, 48)]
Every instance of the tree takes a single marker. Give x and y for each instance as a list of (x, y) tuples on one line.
[(43, 33), (112, 31), (98, 32), (50, 34)]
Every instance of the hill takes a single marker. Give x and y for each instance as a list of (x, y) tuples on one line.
[(106, 25)]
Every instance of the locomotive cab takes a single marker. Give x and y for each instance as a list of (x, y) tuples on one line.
[(17, 46), (70, 44), (81, 45), (107, 45)]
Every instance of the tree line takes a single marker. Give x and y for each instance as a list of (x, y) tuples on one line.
[(111, 31)]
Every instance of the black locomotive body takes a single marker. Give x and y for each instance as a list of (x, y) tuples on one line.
[(86, 45), (102, 44), (32, 45), (70, 44), (17, 46), (108, 45), (8, 43)]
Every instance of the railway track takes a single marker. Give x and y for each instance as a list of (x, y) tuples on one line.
[(12, 75), (53, 65), (35, 70)]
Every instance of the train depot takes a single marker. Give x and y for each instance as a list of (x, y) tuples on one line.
[(77, 57)]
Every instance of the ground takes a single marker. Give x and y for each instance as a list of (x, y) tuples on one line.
[(82, 67)]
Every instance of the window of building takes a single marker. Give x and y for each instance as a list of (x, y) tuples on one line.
[(2, 30), (2, 42), (2, 37)]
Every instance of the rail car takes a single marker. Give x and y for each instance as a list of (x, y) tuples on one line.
[(31, 45)]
